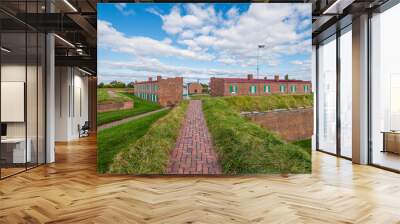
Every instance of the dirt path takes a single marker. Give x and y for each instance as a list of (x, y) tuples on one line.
[(194, 153), (112, 93), (115, 123)]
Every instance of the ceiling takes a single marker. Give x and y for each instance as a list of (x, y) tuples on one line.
[(73, 21), (328, 15)]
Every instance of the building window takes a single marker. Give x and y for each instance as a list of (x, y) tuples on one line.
[(233, 88), (293, 88), (267, 88), (155, 87), (282, 88), (385, 89), (327, 128), (253, 89), (305, 88)]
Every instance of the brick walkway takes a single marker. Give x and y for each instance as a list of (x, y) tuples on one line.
[(194, 153)]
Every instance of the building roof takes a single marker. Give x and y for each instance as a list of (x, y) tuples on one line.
[(194, 83), (246, 80), (155, 80), (146, 82)]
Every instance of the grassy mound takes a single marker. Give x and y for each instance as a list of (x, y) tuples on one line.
[(103, 96), (140, 106), (150, 154), (113, 140), (265, 103), (244, 147)]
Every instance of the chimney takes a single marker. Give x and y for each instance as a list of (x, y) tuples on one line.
[(249, 76), (150, 79), (286, 77), (265, 78), (158, 77), (276, 77)]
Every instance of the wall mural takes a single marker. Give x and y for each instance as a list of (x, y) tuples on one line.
[(204, 89)]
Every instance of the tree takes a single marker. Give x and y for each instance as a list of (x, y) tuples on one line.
[(131, 85), (117, 84), (101, 85), (205, 88)]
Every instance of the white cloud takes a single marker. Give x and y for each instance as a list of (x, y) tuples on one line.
[(200, 32), (274, 25), (142, 68), (122, 7), (116, 41), (297, 62)]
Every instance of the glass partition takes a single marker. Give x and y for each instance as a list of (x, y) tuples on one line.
[(13, 91), (346, 93), (385, 89), (327, 96), (22, 101)]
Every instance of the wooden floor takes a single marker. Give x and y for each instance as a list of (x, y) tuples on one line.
[(70, 191)]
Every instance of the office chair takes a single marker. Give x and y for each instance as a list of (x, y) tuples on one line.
[(84, 130)]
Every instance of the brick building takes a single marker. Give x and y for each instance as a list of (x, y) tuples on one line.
[(257, 87), (166, 92), (194, 88)]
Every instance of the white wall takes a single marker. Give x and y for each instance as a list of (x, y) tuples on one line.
[(71, 87)]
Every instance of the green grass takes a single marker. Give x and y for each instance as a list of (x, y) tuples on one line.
[(244, 147), (199, 96), (104, 97), (112, 140), (140, 107), (265, 103), (304, 144), (150, 153)]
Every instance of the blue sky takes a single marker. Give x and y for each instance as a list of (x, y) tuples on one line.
[(199, 41)]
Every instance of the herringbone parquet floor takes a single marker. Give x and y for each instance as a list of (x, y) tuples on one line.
[(70, 191)]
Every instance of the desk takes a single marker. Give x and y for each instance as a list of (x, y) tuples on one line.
[(391, 141), (16, 147)]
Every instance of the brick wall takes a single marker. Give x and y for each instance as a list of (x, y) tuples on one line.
[(114, 106), (221, 87), (170, 91), (243, 89), (217, 87), (166, 92), (195, 88), (291, 125)]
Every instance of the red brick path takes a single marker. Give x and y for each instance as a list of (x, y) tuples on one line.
[(194, 153)]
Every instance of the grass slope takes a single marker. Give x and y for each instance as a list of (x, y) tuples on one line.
[(112, 140), (244, 147), (140, 107), (104, 97), (304, 144), (265, 103), (150, 154)]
